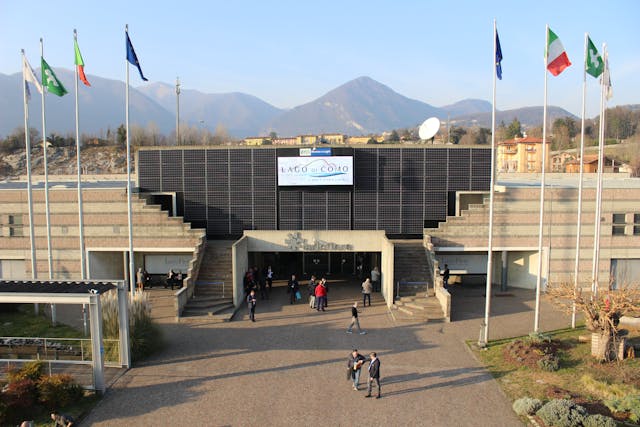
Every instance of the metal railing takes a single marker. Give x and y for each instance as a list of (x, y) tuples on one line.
[(400, 282), (60, 350)]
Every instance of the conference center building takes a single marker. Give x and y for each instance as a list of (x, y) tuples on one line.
[(338, 211)]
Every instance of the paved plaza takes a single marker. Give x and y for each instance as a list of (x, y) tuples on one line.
[(289, 368)]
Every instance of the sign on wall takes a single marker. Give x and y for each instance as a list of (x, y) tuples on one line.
[(309, 171), (161, 264)]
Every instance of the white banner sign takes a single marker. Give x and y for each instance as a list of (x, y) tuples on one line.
[(334, 170)]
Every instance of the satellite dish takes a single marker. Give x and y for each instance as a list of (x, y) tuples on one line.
[(429, 128)]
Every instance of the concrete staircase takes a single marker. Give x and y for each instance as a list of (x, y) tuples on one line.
[(213, 292), (418, 308), (413, 271), (411, 266)]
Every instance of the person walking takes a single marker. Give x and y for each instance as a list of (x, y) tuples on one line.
[(356, 360), (321, 296), (375, 279), (269, 278), (354, 320), (293, 287), (367, 288), (251, 304), (445, 276), (374, 375), (312, 292)]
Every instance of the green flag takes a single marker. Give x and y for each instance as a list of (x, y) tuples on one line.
[(594, 64), (50, 82)]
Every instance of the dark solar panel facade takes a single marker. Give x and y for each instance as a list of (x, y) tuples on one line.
[(396, 189)]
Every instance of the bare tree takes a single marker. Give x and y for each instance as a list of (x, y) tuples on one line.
[(602, 313)]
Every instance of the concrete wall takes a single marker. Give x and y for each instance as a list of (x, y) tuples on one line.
[(386, 271), (240, 264), (106, 265)]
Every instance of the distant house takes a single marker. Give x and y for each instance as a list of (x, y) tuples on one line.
[(292, 140), (523, 155), (364, 139), (255, 140), (559, 161), (309, 139), (591, 165), (332, 138)]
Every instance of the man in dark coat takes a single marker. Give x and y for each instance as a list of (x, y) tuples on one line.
[(374, 374), (293, 288)]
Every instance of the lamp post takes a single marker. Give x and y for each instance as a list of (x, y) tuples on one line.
[(177, 110)]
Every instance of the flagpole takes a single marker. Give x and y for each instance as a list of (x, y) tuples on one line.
[(487, 309), (536, 323), (129, 215), (27, 143), (576, 270), (83, 261), (46, 186), (596, 237)]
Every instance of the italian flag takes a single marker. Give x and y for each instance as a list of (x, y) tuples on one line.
[(80, 64), (557, 59)]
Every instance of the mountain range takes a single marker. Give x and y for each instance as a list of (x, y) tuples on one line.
[(359, 107)]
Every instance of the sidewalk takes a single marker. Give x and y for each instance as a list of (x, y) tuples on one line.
[(289, 368)]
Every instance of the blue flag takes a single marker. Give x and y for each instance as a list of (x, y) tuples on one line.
[(132, 57), (498, 57)]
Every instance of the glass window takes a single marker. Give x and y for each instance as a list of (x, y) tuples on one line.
[(619, 218), (618, 230)]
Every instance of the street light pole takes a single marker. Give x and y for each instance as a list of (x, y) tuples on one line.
[(177, 111)]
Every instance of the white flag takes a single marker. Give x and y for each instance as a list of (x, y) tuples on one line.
[(29, 76), (606, 78)]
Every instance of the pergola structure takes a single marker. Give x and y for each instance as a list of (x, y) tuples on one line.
[(77, 292)]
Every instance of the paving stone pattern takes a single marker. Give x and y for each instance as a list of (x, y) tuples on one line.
[(289, 368)]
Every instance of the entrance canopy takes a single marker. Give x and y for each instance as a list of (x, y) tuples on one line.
[(313, 241)]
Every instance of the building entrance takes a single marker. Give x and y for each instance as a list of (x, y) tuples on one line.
[(343, 265)]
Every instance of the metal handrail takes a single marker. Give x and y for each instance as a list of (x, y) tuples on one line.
[(51, 347)]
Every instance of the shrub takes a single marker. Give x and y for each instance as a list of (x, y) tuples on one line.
[(538, 338), (562, 413), (526, 406), (630, 403), (144, 335), (30, 370), (599, 420), (549, 362), (58, 390), (20, 399)]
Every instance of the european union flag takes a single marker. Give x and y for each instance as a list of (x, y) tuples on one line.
[(132, 57), (498, 57)]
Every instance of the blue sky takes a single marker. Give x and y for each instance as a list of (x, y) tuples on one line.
[(291, 52)]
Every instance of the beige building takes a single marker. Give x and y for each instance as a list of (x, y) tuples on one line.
[(559, 161), (461, 241), (292, 140), (256, 140), (332, 138), (523, 155)]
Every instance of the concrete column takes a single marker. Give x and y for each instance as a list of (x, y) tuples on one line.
[(123, 320), (505, 271), (97, 351)]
